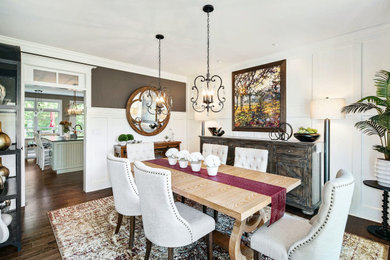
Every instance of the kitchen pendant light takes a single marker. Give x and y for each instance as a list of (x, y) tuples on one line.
[(38, 101), (73, 109), (209, 86)]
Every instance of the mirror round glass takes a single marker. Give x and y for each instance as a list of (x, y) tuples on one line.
[(147, 111)]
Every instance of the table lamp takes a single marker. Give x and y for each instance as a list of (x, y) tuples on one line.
[(328, 108), (204, 116)]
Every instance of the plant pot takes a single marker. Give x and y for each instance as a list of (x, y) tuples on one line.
[(212, 171), (172, 161), (382, 170), (195, 166), (183, 163)]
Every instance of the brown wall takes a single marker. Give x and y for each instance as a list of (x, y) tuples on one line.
[(112, 88), (65, 101)]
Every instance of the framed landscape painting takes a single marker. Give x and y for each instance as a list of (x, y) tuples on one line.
[(259, 97)]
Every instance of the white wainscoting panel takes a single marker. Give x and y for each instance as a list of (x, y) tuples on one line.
[(104, 125)]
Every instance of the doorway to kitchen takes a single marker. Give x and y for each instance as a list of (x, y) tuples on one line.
[(55, 99), (54, 128)]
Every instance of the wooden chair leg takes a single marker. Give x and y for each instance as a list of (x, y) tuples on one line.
[(210, 246), (216, 216), (204, 209), (170, 253), (118, 225), (183, 200), (255, 255), (132, 230), (148, 249)]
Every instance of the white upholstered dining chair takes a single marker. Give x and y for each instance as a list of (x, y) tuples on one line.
[(215, 149), (166, 223), (292, 237), (125, 192), (250, 158), (140, 152)]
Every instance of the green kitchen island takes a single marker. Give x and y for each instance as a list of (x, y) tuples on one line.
[(67, 153)]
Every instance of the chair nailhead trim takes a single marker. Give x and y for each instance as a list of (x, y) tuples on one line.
[(128, 174), (171, 203), (322, 225)]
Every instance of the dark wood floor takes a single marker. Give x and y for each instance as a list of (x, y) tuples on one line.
[(48, 191)]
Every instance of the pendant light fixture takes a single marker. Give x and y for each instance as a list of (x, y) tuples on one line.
[(208, 88), (163, 101), (38, 101), (73, 109)]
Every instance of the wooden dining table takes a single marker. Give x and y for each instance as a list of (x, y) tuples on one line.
[(246, 207)]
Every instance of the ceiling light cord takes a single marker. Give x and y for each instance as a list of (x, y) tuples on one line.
[(159, 64), (208, 49)]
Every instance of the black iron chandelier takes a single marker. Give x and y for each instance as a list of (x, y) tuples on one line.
[(210, 86), (163, 101)]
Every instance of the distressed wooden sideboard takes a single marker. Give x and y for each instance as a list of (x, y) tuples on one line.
[(160, 148), (288, 158)]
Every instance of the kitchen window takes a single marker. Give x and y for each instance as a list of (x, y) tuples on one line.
[(43, 115)]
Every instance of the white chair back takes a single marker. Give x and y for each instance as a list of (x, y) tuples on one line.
[(124, 189), (140, 152), (326, 235), (162, 222), (250, 158), (216, 149)]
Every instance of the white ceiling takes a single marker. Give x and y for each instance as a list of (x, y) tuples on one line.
[(124, 30)]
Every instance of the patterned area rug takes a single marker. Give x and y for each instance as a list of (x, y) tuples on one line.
[(87, 231)]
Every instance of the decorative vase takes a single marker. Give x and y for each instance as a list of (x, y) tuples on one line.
[(5, 141), (172, 160), (212, 171), (4, 171), (2, 182), (195, 166), (2, 94), (5, 205), (382, 169), (183, 163), (4, 232)]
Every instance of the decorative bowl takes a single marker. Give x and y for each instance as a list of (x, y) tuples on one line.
[(216, 131), (306, 137)]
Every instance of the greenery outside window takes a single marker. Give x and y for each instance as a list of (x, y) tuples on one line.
[(43, 115)]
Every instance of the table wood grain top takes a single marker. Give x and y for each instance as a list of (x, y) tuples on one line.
[(232, 201)]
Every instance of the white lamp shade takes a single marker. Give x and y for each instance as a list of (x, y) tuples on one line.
[(204, 116), (327, 108)]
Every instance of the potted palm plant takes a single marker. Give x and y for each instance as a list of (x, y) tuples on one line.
[(378, 124)]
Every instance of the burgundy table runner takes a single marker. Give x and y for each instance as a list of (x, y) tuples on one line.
[(277, 194)]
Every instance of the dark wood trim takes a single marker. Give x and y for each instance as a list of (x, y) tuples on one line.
[(283, 78)]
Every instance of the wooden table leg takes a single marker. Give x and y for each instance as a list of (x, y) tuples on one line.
[(247, 225)]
